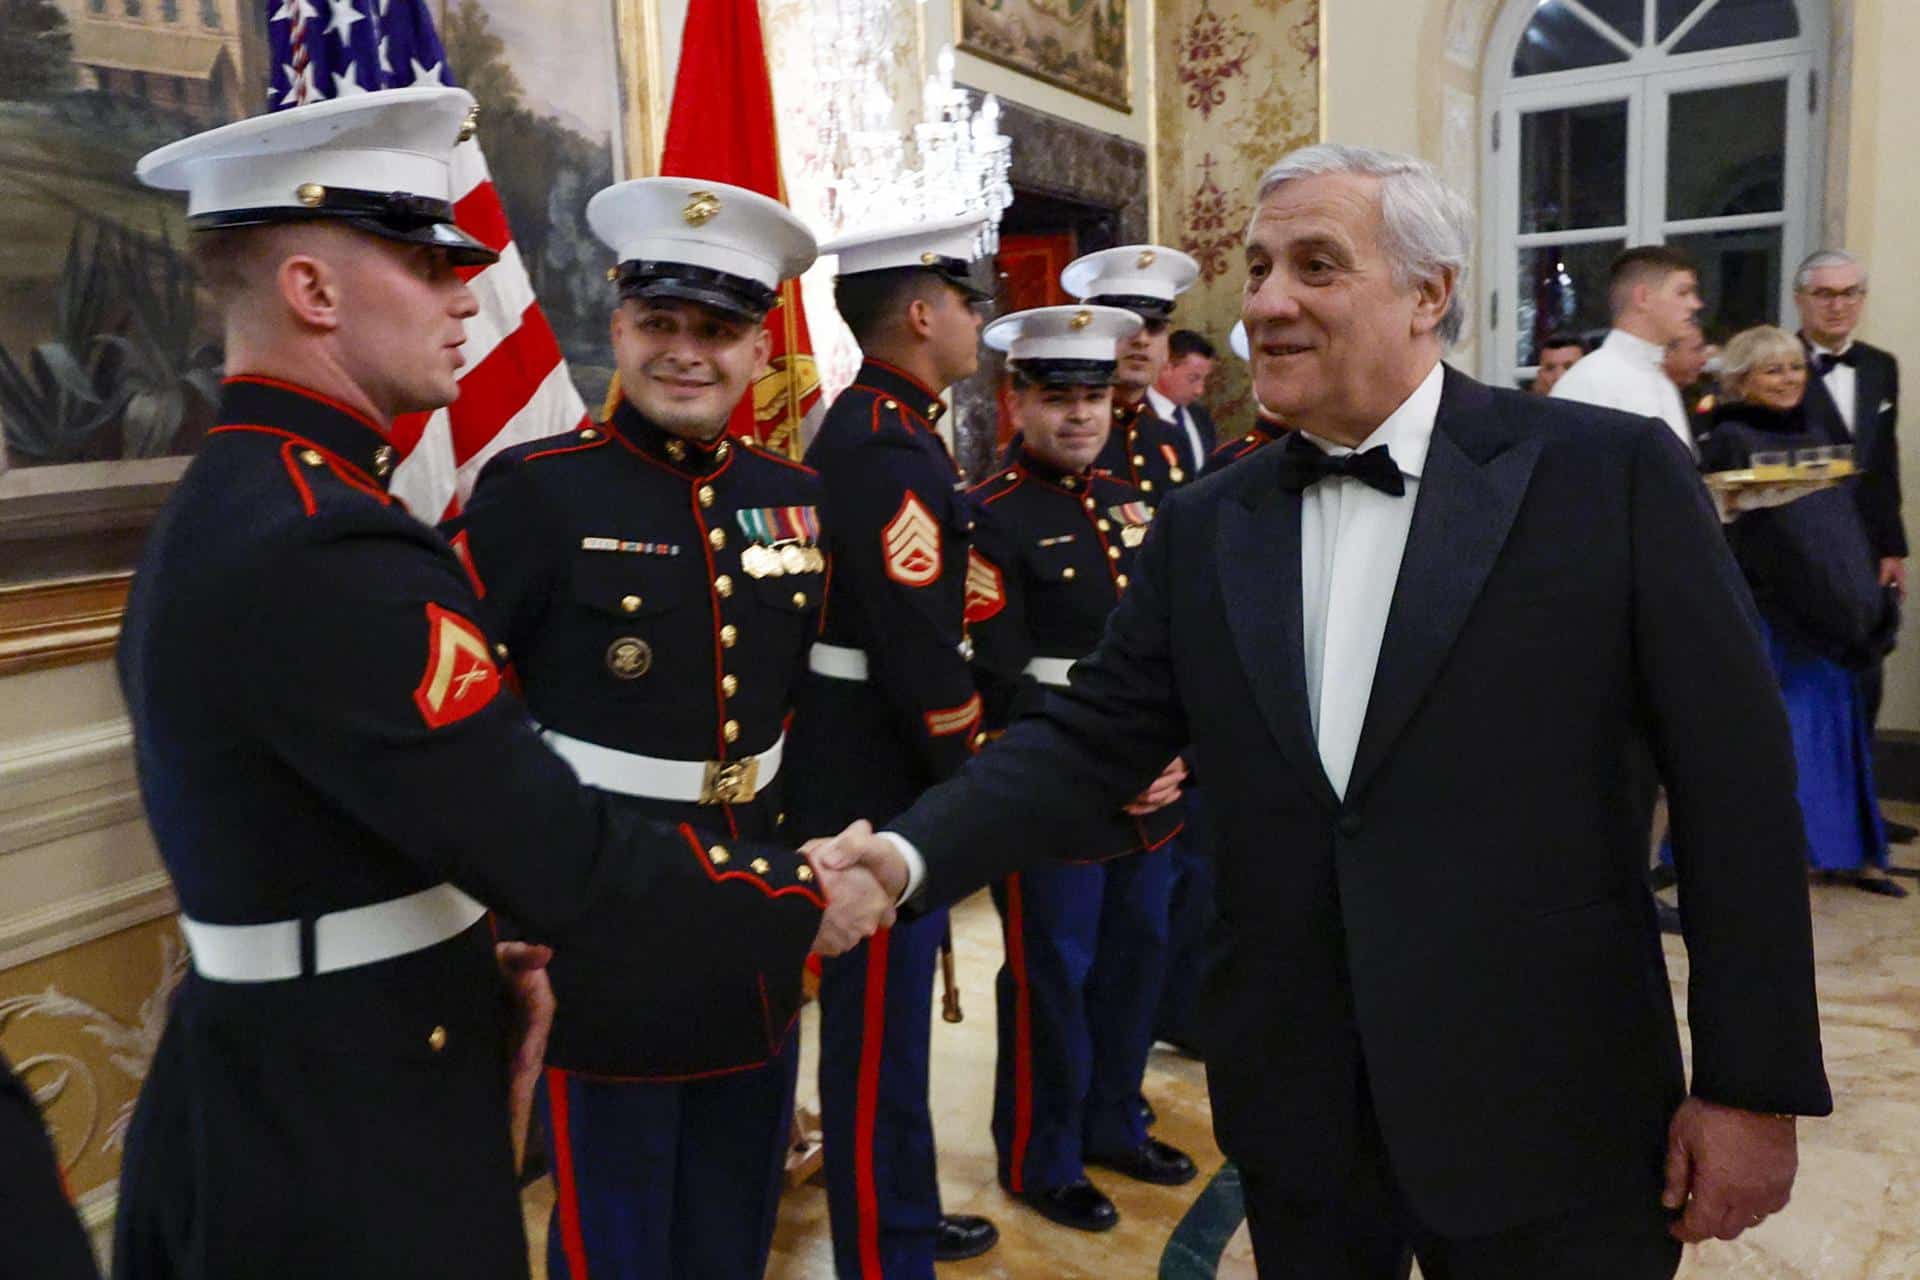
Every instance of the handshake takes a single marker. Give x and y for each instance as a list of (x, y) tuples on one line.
[(864, 877)]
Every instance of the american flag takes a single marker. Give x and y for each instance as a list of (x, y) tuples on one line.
[(515, 385)]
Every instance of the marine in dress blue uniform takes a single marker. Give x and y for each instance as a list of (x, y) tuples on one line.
[(1086, 939), (341, 785), (1142, 450), (658, 586), (1267, 427), (889, 709)]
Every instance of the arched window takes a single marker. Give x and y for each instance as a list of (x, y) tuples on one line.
[(1696, 123)]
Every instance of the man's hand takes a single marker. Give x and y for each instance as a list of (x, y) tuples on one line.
[(1163, 791), (1728, 1168), (1893, 573), (524, 967), (863, 877)]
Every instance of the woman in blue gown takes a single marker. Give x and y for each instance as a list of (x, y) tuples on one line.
[(1824, 613)]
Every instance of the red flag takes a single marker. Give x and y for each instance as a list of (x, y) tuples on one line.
[(721, 127)]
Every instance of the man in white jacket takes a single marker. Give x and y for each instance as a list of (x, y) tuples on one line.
[(1653, 292)]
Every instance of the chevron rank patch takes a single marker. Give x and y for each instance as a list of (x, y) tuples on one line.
[(910, 543), (460, 677), (986, 588), (951, 720)]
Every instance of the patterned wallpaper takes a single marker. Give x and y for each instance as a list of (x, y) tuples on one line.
[(1238, 87)]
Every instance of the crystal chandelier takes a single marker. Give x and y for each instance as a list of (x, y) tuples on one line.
[(959, 164)]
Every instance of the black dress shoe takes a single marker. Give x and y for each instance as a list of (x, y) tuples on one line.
[(1900, 832), (961, 1235), (1152, 1161), (1079, 1205), (1669, 918), (1880, 885)]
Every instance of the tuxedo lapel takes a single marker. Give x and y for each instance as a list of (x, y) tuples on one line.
[(1258, 545), (1470, 491)]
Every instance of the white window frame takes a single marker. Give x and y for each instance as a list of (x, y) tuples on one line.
[(1645, 80)]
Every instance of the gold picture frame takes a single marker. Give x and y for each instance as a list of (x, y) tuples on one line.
[(71, 525), (1082, 46)]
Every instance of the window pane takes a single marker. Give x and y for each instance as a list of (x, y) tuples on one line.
[(1573, 167), (1628, 17), (1739, 277), (1558, 39), (1561, 287), (1729, 23), (1727, 150)]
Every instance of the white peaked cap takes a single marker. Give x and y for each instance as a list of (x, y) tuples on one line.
[(1062, 333), (1145, 271), (696, 223), (918, 244)]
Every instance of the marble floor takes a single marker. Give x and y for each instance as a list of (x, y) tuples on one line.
[(1856, 1208)]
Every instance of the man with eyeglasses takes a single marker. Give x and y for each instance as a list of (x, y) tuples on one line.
[(1855, 396)]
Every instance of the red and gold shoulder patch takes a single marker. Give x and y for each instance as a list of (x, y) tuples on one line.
[(986, 588), (910, 543), (460, 677)]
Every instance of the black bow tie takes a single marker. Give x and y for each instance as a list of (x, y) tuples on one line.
[(1823, 361), (1303, 462)]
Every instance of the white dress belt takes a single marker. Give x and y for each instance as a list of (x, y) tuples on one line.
[(838, 662), (341, 939), (1050, 671), (652, 778)]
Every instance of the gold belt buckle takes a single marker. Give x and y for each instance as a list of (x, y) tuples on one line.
[(731, 781)]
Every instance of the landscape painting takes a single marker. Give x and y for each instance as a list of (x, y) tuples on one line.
[(1080, 45)]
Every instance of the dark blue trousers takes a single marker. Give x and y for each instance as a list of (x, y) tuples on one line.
[(662, 1181), (883, 1188), (1086, 954)]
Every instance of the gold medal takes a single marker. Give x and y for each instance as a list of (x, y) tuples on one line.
[(629, 658), (816, 560), (1133, 534), (793, 558)]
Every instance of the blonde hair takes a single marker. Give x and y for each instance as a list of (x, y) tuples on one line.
[(1750, 348)]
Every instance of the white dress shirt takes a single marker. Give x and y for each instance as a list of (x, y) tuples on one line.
[(1352, 538), (1843, 383), (1626, 373), (1167, 411)]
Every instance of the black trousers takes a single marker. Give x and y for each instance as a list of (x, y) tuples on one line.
[(43, 1238), (1363, 1229)]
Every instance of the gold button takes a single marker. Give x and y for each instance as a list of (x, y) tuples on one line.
[(1146, 486), (310, 194), (629, 604), (705, 494), (1103, 526), (588, 433), (780, 819), (437, 1039), (723, 450), (383, 461), (1121, 582), (500, 652), (1139, 461), (803, 872), (935, 409), (719, 856), (1088, 503), (1068, 573), (893, 404), (677, 451), (979, 741), (761, 866), (1113, 553), (724, 585), (730, 684), (1013, 475), (717, 539), (730, 731), (312, 458), (729, 636), (799, 599)]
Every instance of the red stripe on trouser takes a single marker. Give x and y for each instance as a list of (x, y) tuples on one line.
[(566, 1194), (873, 1033), (1022, 1037)]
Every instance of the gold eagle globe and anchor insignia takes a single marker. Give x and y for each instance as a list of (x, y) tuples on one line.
[(701, 208), (629, 658)]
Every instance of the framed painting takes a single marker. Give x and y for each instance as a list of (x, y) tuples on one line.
[(1083, 46), (110, 359)]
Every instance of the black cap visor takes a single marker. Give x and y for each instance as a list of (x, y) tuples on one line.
[(391, 215), (1140, 304), (732, 295), (1065, 373)]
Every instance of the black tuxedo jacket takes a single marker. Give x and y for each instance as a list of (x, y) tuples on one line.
[(1467, 935), (1876, 443)]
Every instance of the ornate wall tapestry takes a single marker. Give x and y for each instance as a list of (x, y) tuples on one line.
[(1080, 45), (1238, 86)]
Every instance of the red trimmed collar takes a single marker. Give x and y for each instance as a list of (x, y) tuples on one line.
[(256, 400)]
